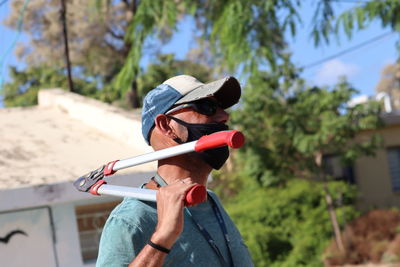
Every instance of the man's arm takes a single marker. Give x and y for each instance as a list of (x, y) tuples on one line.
[(170, 204), (149, 257)]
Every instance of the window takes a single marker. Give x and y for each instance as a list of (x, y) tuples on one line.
[(91, 220), (335, 169), (394, 167)]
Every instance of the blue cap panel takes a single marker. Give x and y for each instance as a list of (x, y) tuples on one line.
[(157, 101)]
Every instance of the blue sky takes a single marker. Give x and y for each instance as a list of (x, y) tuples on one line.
[(362, 66)]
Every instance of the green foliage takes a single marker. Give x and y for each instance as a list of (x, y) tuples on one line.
[(288, 225), (152, 17), (387, 11), (22, 91), (249, 33), (242, 34), (24, 85), (163, 68), (291, 125), (322, 22), (356, 18)]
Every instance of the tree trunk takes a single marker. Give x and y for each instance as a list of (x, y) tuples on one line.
[(333, 217), (63, 18), (132, 96), (331, 207)]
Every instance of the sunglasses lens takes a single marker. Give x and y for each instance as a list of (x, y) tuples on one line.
[(206, 107)]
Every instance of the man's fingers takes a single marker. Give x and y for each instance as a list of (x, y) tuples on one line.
[(177, 190)]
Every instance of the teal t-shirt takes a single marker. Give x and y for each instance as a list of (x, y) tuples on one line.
[(132, 223)]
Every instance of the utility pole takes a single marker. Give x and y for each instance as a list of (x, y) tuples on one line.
[(63, 18)]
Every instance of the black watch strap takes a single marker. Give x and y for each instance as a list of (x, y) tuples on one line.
[(158, 247)]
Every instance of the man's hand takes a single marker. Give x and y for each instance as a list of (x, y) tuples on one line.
[(170, 204)]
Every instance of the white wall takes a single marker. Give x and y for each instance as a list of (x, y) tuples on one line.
[(66, 232), (67, 244), (61, 199), (27, 238)]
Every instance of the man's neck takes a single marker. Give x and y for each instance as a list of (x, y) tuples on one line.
[(173, 172)]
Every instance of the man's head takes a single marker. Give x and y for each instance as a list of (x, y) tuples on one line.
[(185, 91)]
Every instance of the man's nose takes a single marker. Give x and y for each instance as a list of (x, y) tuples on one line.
[(221, 116)]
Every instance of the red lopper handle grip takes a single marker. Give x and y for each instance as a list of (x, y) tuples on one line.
[(195, 195), (234, 139)]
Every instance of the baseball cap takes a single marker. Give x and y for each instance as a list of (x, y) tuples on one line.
[(184, 89)]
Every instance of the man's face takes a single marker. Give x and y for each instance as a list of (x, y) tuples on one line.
[(189, 115)]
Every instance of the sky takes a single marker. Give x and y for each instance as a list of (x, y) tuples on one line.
[(362, 66)]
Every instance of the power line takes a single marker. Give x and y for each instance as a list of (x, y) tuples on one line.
[(11, 47), (346, 51)]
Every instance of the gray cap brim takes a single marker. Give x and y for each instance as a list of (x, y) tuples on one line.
[(227, 91)]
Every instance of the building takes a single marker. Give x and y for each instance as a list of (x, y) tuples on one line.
[(44, 220), (377, 178)]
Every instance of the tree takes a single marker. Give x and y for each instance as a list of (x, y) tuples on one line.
[(288, 225), (96, 37), (243, 35), (16, 92), (291, 127), (358, 17), (163, 68), (390, 83), (96, 43)]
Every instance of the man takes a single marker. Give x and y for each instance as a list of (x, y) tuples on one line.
[(140, 233)]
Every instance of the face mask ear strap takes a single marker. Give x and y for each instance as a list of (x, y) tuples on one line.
[(177, 139)]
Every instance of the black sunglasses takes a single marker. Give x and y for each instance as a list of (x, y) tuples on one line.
[(205, 106)]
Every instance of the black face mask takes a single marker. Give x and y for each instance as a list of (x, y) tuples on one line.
[(215, 157)]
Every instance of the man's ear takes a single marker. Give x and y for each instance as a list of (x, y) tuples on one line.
[(162, 123)]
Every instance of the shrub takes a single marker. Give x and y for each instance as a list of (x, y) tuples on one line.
[(288, 225)]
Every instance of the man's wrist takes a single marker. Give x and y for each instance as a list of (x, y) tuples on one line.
[(159, 239), (158, 247)]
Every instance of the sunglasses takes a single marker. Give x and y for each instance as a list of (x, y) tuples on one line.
[(205, 106)]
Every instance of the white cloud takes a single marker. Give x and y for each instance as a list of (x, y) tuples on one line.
[(330, 72)]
